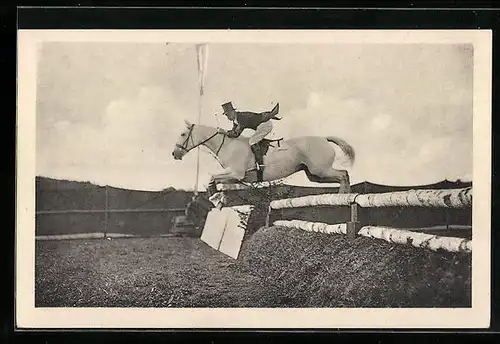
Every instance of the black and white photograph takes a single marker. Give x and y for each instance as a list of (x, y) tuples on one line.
[(269, 179)]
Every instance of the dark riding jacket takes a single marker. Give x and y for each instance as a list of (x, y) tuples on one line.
[(251, 120)]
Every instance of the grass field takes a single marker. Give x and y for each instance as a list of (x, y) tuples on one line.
[(277, 268), (152, 272)]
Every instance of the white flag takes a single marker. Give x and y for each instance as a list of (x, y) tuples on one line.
[(202, 52)]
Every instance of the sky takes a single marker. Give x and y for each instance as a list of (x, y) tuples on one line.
[(110, 113)]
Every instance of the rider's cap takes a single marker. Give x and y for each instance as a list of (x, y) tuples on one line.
[(227, 107)]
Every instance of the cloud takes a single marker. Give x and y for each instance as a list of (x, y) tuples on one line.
[(381, 122), (132, 127), (431, 150), (406, 109), (69, 143), (131, 148), (389, 149)]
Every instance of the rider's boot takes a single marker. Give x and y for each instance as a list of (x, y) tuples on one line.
[(259, 161)]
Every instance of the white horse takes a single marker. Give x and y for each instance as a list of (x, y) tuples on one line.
[(312, 154)]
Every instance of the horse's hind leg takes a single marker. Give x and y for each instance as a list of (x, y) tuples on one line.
[(330, 175)]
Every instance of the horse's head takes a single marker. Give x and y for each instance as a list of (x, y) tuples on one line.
[(184, 143)]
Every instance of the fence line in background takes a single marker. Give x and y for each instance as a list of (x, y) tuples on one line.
[(105, 234), (102, 211)]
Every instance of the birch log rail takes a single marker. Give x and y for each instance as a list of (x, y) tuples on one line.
[(438, 198), (445, 198), (392, 235)]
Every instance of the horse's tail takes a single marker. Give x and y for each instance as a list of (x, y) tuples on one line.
[(346, 147)]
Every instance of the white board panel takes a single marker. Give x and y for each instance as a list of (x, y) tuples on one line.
[(214, 228), (234, 232)]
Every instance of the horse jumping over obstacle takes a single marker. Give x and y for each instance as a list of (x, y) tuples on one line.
[(311, 154)]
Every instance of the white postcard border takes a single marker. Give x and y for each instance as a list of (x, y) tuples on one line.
[(27, 316)]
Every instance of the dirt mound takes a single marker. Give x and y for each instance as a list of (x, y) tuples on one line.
[(321, 270)]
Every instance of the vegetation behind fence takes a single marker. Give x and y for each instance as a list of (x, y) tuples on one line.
[(68, 207)]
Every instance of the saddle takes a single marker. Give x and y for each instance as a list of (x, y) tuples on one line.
[(265, 143)]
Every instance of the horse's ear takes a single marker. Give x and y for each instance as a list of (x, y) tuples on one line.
[(187, 123)]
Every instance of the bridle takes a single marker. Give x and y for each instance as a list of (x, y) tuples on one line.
[(189, 136)]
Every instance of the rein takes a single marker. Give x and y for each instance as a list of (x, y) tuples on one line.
[(200, 143)]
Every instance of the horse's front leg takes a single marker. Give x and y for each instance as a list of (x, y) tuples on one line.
[(216, 197), (227, 177)]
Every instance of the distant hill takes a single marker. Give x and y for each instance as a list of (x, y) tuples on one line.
[(54, 194)]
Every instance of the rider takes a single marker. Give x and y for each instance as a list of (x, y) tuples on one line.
[(258, 121)]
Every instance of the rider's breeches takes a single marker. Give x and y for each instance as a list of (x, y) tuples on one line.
[(262, 131)]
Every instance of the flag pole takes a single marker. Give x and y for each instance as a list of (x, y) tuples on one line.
[(198, 148), (202, 56)]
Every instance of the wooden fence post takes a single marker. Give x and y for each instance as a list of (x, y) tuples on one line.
[(447, 217), (269, 200), (268, 215), (353, 226), (106, 208)]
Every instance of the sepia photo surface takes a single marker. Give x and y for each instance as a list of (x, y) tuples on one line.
[(253, 179)]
